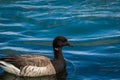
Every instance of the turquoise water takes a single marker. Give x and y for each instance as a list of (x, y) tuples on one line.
[(92, 26)]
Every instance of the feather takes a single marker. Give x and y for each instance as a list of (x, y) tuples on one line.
[(9, 68)]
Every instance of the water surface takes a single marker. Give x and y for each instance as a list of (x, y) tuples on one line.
[(92, 26)]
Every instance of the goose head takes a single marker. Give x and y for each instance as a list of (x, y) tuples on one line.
[(60, 41)]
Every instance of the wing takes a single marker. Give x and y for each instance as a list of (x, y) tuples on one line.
[(27, 60)]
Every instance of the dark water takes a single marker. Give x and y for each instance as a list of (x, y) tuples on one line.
[(92, 26)]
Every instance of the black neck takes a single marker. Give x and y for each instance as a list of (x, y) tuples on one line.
[(58, 62), (58, 54)]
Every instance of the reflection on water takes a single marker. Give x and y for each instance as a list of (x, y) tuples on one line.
[(7, 76)]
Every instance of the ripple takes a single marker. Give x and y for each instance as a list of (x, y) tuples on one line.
[(13, 34), (84, 53), (3, 44), (92, 54), (37, 6), (36, 15), (9, 33), (12, 24), (4, 19), (96, 38), (25, 49), (100, 15), (36, 39)]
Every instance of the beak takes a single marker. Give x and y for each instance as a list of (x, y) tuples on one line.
[(69, 44)]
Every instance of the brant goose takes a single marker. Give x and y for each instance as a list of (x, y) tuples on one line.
[(37, 65)]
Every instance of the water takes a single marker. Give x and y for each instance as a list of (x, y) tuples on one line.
[(92, 26)]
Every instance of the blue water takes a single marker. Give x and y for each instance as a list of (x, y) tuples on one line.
[(92, 26)]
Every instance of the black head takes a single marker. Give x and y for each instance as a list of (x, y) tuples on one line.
[(60, 41)]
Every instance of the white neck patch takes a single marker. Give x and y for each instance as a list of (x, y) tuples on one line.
[(56, 49)]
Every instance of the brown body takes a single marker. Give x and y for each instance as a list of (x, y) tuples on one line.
[(31, 65)]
